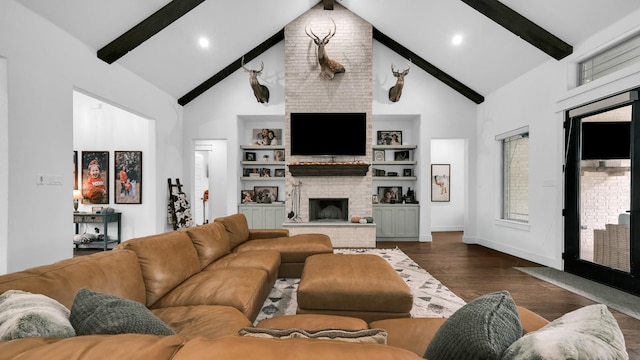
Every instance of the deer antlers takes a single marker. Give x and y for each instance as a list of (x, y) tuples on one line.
[(396, 91), (260, 91), (328, 67)]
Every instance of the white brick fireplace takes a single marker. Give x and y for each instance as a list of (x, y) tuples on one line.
[(352, 91)]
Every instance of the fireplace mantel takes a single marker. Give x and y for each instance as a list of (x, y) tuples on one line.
[(328, 169)]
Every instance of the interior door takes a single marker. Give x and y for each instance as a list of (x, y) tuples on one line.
[(600, 205)]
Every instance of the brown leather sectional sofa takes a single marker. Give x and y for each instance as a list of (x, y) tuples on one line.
[(206, 283)]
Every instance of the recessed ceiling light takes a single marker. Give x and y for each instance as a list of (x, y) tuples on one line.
[(204, 42), (457, 39)]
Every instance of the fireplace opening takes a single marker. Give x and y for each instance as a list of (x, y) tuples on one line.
[(332, 209)]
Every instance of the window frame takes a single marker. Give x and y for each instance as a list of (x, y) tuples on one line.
[(506, 208)]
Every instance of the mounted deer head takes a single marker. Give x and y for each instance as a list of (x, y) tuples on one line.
[(260, 91), (396, 91), (328, 67)]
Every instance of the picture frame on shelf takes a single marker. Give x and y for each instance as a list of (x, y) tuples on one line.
[(267, 137), (390, 194), (266, 194), (407, 172), (247, 196), (375, 199), (279, 173), (95, 177), (249, 156), (401, 155), (251, 172), (278, 155), (378, 155), (96, 209), (389, 137), (265, 172), (127, 177), (440, 182)]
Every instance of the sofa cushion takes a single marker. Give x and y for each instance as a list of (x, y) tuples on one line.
[(211, 242), (113, 272), (590, 332), (293, 249), (166, 260), (267, 260), (210, 321), (371, 336), (97, 313), (481, 329), (237, 228), (243, 289), (23, 314), (313, 322)]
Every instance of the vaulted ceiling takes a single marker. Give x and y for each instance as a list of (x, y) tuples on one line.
[(501, 39)]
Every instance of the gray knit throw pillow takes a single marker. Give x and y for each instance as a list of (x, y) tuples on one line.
[(97, 313), (482, 329)]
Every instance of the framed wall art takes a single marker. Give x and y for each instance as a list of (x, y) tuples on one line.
[(127, 179), (266, 194), (440, 182), (95, 177), (389, 137), (267, 137)]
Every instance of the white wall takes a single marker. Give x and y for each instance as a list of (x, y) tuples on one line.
[(538, 99), (44, 66), (449, 216), (4, 165)]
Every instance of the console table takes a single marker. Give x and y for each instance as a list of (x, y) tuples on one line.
[(103, 218)]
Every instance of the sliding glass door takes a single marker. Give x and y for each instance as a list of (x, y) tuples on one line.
[(600, 204)]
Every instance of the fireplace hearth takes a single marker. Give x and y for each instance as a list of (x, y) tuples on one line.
[(328, 209)]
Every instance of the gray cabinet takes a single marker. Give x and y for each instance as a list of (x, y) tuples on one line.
[(397, 220), (263, 216)]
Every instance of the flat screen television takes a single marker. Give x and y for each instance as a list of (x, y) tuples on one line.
[(606, 140), (328, 134)]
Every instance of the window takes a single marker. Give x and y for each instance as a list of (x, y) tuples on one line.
[(515, 174), (611, 60)]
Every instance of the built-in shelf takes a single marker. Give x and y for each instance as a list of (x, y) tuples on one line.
[(403, 162), (395, 178), (263, 163), (329, 169), (262, 147)]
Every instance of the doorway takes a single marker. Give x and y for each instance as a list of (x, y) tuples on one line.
[(210, 174), (600, 206)]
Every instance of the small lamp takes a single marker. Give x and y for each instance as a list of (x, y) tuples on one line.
[(77, 196)]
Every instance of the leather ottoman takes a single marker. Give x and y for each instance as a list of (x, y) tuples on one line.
[(358, 285)]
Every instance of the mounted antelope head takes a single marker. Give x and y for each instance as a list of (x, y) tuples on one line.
[(396, 91), (260, 91), (328, 67)]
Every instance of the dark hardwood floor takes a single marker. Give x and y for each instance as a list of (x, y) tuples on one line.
[(472, 270)]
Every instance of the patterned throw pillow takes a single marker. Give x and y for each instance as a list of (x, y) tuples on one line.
[(590, 332), (96, 313), (482, 329), (23, 314), (371, 336)]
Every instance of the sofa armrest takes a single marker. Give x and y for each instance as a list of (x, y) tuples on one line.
[(530, 320), (267, 233)]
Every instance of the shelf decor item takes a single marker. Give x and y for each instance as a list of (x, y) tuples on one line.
[(440, 182), (249, 156), (401, 155), (389, 137), (247, 196), (266, 194), (378, 155), (390, 194)]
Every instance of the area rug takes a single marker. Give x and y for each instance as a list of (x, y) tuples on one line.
[(616, 299), (430, 297)]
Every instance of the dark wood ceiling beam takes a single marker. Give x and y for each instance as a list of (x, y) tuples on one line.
[(231, 68), (146, 29), (428, 67), (328, 4), (522, 27)]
